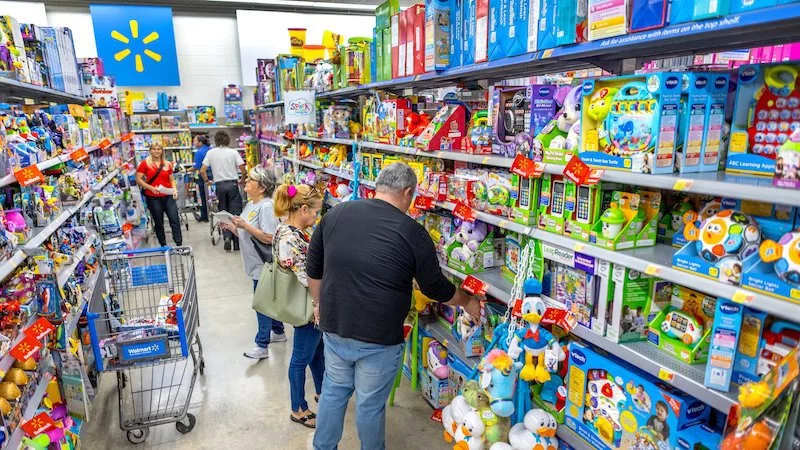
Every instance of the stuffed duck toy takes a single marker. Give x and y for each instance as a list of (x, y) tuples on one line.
[(533, 339), (453, 416), (469, 436), (538, 430)]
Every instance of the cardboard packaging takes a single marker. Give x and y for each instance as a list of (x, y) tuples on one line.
[(437, 35)]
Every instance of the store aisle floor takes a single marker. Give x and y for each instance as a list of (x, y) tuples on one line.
[(239, 402)]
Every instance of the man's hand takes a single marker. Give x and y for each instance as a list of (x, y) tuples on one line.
[(209, 182), (316, 314), (473, 307)]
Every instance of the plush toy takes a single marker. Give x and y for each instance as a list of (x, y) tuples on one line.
[(452, 416), (469, 436), (470, 234), (538, 430), (437, 360), (559, 131), (498, 379), (497, 427)]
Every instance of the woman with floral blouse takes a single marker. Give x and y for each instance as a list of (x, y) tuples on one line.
[(300, 206)]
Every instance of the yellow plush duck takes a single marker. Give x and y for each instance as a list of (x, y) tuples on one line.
[(533, 339)]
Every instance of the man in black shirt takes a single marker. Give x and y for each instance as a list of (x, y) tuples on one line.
[(361, 262)]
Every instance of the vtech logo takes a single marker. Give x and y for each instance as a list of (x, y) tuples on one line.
[(544, 92), (747, 74), (587, 87), (720, 82), (578, 357), (730, 308), (672, 82), (695, 410), (700, 82)]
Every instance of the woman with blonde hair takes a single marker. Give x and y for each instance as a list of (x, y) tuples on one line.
[(155, 177), (299, 205)]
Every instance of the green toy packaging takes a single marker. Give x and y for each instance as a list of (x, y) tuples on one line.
[(553, 213), (515, 242), (524, 199), (472, 248), (585, 206), (632, 294), (619, 225), (683, 329), (650, 203)]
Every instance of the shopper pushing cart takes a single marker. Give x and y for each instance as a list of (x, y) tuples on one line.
[(227, 165), (146, 331)]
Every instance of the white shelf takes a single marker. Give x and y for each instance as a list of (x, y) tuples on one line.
[(75, 314), (270, 105), (170, 148), (308, 164), (6, 361), (327, 140), (159, 130), (67, 271), (338, 173), (273, 143), (499, 287), (489, 160), (215, 127), (445, 337)]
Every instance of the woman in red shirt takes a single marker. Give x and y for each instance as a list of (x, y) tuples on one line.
[(154, 177)]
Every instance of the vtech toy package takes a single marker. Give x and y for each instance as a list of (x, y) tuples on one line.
[(683, 329), (648, 14), (607, 18), (612, 405)]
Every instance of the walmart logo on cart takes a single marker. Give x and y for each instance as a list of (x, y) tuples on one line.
[(137, 44)]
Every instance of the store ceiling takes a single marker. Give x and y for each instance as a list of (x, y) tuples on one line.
[(229, 7)]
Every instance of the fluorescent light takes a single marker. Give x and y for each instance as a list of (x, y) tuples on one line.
[(304, 4)]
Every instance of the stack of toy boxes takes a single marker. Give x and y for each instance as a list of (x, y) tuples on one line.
[(475, 31), (13, 62), (437, 35), (87, 69), (436, 391), (69, 62), (699, 143), (413, 41), (612, 404), (571, 24), (233, 108), (50, 49), (265, 81), (34, 53), (383, 38), (689, 10)]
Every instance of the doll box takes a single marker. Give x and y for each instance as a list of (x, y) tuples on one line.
[(618, 133), (612, 405), (435, 391), (481, 259)]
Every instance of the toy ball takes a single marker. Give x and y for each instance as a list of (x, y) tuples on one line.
[(786, 255), (728, 233)]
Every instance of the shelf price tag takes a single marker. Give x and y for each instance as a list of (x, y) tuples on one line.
[(29, 175), (464, 212), (38, 425), (594, 177), (653, 270), (26, 348), (423, 203), (126, 137), (682, 184), (474, 286), (743, 297), (104, 144), (666, 375), (39, 329), (79, 155), (526, 167)]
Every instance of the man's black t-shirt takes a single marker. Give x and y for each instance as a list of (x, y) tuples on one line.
[(366, 253)]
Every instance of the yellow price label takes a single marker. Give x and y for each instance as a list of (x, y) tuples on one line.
[(653, 270), (485, 160), (439, 154), (682, 184), (547, 53), (742, 297), (435, 235), (502, 223), (579, 247), (666, 375)]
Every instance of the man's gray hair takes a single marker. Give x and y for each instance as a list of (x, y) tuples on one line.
[(396, 178)]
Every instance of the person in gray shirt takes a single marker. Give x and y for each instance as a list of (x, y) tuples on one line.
[(258, 221)]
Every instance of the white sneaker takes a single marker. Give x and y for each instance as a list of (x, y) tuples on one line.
[(275, 337), (257, 353)]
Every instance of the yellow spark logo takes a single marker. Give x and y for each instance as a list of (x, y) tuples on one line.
[(152, 37)]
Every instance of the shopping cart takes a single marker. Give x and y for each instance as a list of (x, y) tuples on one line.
[(146, 332), (213, 207), (187, 197)]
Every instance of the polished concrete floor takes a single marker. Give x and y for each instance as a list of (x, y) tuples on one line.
[(239, 402)]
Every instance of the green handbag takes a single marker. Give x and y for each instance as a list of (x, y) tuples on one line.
[(281, 297)]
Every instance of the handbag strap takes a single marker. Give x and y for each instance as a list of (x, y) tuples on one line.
[(158, 172)]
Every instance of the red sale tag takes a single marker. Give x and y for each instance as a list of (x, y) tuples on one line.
[(38, 425), (79, 155), (29, 175), (474, 286), (464, 212), (126, 137), (104, 144), (516, 310), (25, 349), (576, 170), (39, 329), (526, 167), (594, 176), (423, 203)]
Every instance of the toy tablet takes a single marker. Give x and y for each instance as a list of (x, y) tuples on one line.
[(775, 111), (680, 325), (628, 128)]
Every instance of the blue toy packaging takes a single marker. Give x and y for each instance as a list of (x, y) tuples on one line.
[(547, 24), (456, 32), (571, 22), (611, 405), (692, 126), (630, 123), (745, 364), (534, 11), (698, 437), (738, 6), (468, 18), (767, 98), (718, 87), (437, 35), (648, 14), (468, 333), (724, 342), (460, 371), (499, 27), (518, 19), (706, 9), (775, 269), (681, 11)]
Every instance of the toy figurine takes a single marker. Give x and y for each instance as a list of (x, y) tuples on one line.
[(469, 436), (452, 416), (613, 220), (533, 339), (537, 431), (786, 255)]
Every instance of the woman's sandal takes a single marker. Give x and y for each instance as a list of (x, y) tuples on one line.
[(316, 398), (304, 420)]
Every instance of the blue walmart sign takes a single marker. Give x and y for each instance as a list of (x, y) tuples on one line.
[(137, 44)]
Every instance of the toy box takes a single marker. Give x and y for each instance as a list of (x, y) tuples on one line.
[(456, 32), (571, 22), (468, 17), (618, 135), (460, 371), (471, 249), (547, 24), (515, 243), (435, 391), (481, 31), (698, 437), (774, 269), (468, 333), (448, 126), (205, 115), (633, 291), (692, 124), (103, 91), (723, 344), (718, 87), (787, 163), (611, 405), (517, 113), (706, 9), (607, 18), (391, 120), (406, 44), (583, 206), (683, 211), (683, 329), (630, 221), (751, 345), (573, 281), (499, 26), (766, 97), (397, 35), (417, 20), (552, 213), (50, 50), (648, 14), (524, 199), (13, 59), (739, 6), (34, 53), (437, 35)]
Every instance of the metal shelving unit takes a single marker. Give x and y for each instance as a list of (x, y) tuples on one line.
[(445, 337), (33, 402), (270, 105), (68, 270), (274, 143), (327, 140), (18, 89), (159, 130), (571, 438)]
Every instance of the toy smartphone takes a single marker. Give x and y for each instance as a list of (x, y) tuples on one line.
[(557, 202), (583, 213), (525, 187)]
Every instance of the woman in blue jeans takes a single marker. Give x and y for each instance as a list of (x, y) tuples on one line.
[(300, 206), (258, 221)]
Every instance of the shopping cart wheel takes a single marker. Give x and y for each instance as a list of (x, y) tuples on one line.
[(186, 427), (138, 436), (213, 239), (202, 367)]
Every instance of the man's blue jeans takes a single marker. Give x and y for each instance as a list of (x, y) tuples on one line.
[(369, 370), (265, 324)]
